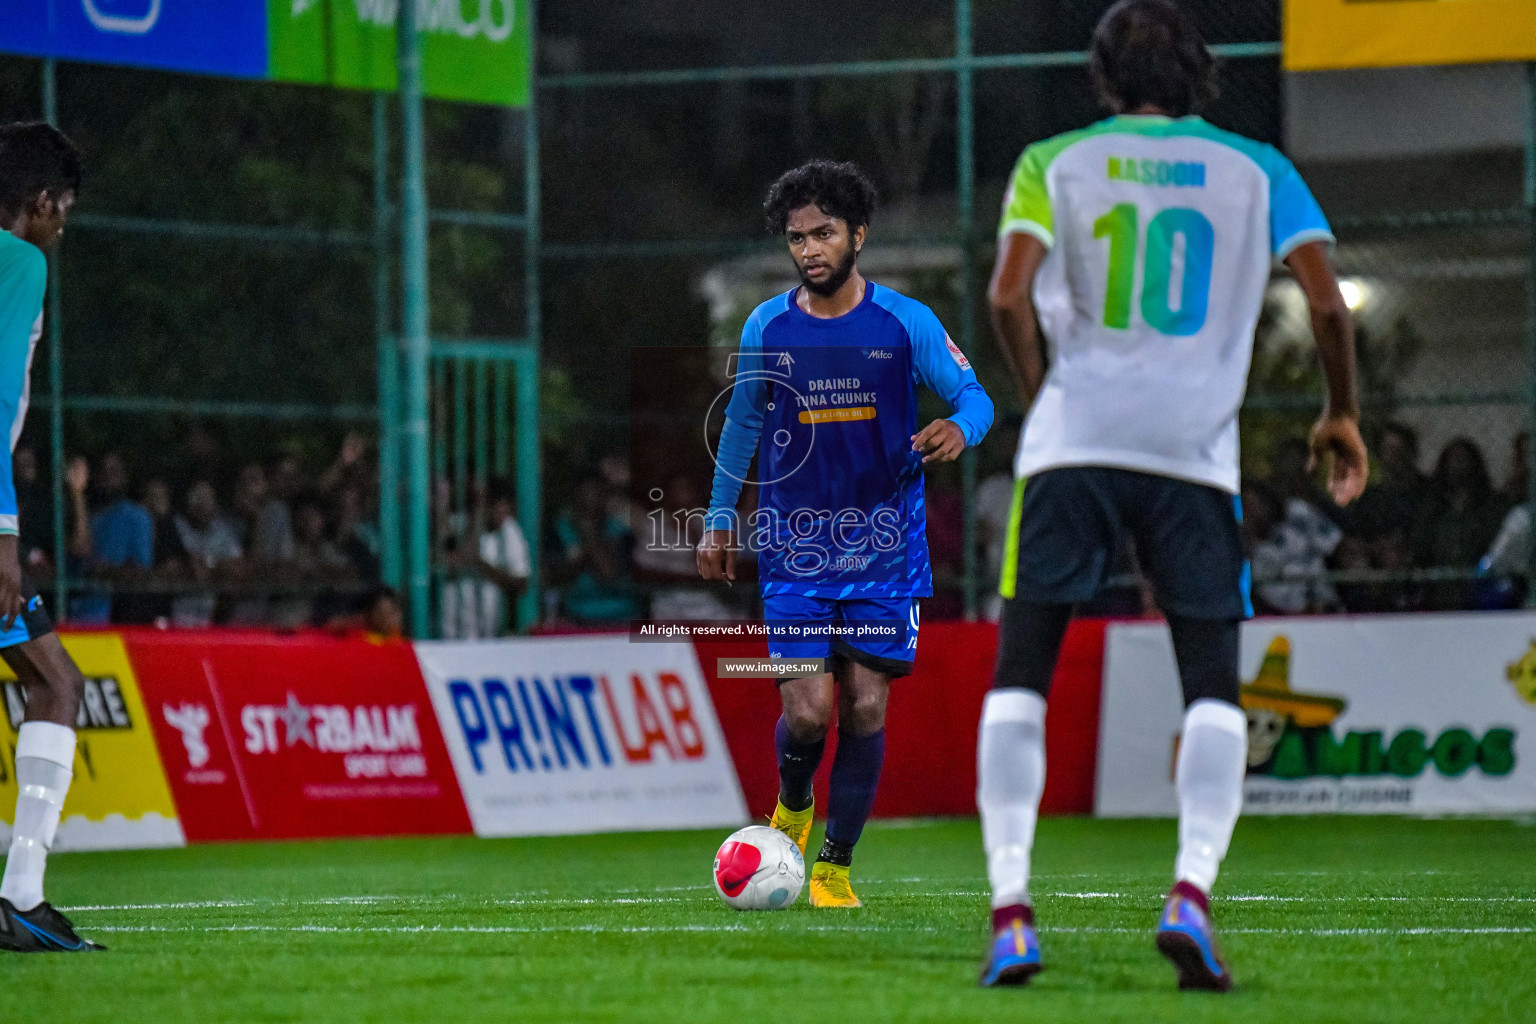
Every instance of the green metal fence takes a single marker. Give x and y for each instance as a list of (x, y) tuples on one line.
[(1438, 230), (483, 394)]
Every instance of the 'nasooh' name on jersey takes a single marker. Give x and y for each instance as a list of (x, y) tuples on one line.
[(378, 741), (577, 721)]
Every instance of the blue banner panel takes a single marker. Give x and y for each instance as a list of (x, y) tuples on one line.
[(227, 37)]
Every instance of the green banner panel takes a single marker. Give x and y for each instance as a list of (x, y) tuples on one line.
[(472, 50)]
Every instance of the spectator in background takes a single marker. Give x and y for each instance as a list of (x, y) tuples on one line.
[(476, 605), (591, 557), (1289, 542), (212, 544), (356, 535), (83, 606), (1393, 505), (1516, 485), (272, 540), (663, 554), (34, 514), (315, 565), (349, 468), (1381, 528), (122, 547), (1460, 523), (379, 616), (170, 556), (1294, 482), (250, 495)]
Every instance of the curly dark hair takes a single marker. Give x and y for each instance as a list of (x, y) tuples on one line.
[(1149, 52), (838, 189), (35, 157)]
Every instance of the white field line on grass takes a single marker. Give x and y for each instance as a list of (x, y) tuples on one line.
[(738, 928), (704, 895)]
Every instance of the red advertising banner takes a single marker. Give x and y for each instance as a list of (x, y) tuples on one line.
[(930, 751), (289, 737)]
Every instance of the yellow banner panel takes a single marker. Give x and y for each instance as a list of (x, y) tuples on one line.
[(1331, 34), (119, 797)]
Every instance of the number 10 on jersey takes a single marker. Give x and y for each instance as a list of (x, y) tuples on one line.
[(1121, 226)]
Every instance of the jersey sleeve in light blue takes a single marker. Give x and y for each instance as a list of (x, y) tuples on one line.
[(1294, 216), (743, 424), (23, 280), (939, 363)]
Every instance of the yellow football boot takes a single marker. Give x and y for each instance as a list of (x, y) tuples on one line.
[(795, 824), (830, 886)]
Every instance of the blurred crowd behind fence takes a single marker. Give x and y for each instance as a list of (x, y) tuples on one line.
[(659, 125)]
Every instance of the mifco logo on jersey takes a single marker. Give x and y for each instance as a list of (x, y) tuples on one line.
[(101, 706), (576, 721), (378, 741)]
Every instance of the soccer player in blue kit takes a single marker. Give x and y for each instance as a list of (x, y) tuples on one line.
[(825, 393), (1140, 248), (39, 179)]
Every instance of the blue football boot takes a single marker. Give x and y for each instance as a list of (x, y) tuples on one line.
[(1014, 956), (1187, 937)]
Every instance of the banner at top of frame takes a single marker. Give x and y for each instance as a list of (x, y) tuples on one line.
[(472, 50), (1329, 34), (476, 51)]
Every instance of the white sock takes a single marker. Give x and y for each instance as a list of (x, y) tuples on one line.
[(45, 755), (1213, 758), (1010, 776)]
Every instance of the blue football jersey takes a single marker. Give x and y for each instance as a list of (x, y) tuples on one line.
[(830, 406)]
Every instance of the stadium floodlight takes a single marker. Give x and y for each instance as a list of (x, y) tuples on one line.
[(1354, 293)]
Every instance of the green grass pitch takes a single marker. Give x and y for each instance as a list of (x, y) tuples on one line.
[(1340, 919)]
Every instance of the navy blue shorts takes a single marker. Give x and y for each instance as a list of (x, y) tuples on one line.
[(1067, 525), (34, 620), (890, 624)]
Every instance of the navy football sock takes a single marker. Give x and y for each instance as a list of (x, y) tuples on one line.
[(797, 766), (855, 775)]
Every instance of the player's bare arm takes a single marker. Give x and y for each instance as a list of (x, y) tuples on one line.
[(716, 556), (1010, 296), (10, 581), (1336, 435), (939, 441)]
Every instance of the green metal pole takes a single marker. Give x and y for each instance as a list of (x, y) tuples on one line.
[(388, 354), (529, 467), (1530, 317), (526, 440), (415, 321), (965, 115), (56, 383)]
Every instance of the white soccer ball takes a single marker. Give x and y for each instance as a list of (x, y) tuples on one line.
[(759, 868)]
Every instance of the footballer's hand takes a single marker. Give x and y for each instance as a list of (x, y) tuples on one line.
[(1336, 440), (716, 556), (939, 441), (10, 581)]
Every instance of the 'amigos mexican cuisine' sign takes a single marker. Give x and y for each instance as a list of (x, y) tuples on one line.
[(1377, 714)]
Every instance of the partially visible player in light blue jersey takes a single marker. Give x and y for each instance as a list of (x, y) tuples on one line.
[(1133, 257), (825, 393), (23, 280), (39, 180)]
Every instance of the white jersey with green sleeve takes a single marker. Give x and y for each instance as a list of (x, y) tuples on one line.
[(1161, 233)]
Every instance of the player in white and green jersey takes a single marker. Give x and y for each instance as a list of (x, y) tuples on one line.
[(1133, 257)]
